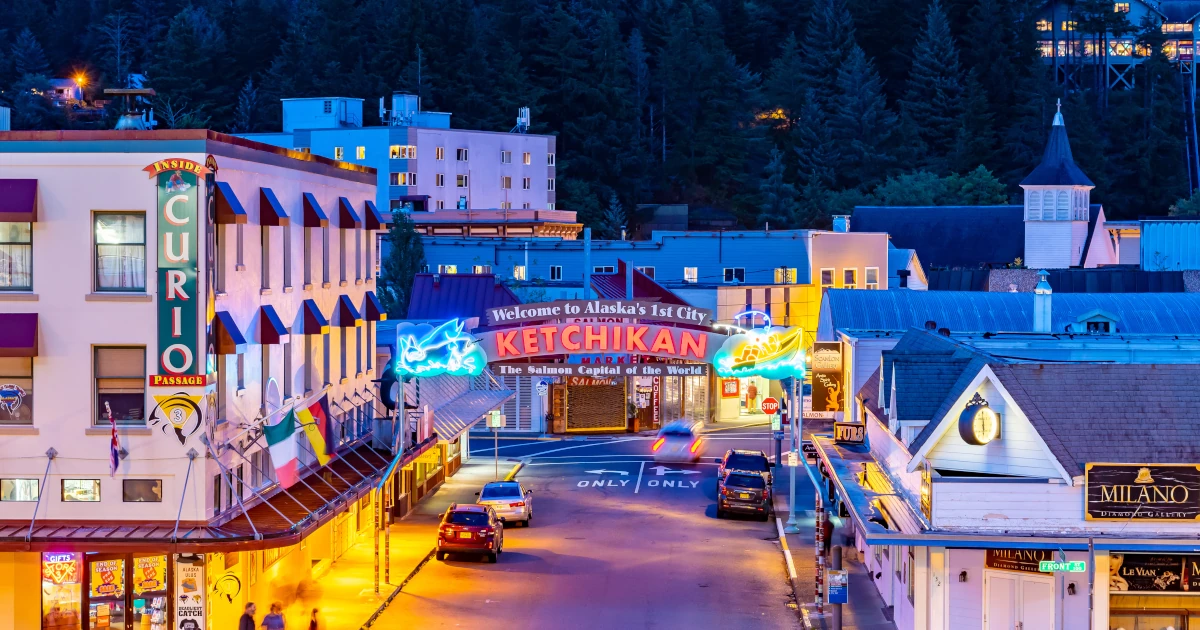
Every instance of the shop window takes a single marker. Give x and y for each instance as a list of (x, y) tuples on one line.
[(150, 589), (120, 385), (691, 274), (735, 274), (120, 241), (81, 490), (141, 490), (62, 591), (16, 390), (19, 490), (106, 592), (16, 256), (556, 272)]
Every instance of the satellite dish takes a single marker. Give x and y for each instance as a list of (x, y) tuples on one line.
[(274, 400)]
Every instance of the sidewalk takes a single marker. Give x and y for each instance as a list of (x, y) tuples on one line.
[(865, 608), (348, 598)]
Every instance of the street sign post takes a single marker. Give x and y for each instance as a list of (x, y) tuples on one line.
[(777, 430), (1057, 566), (776, 423), (769, 405), (839, 581), (495, 422), (792, 459)]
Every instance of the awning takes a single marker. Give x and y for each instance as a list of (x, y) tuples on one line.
[(373, 219), (270, 211), (18, 200), (18, 334), (228, 337), (312, 321), (345, 315), (372, 309), (347, 217), (314, 216), (453, 418), (271, 330), (229, 209)]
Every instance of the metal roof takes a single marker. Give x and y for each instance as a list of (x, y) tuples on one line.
[(459, 296), (949, 236)]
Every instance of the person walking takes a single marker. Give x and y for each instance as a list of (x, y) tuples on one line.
[(247, 620), (314, 623), (274, 619)]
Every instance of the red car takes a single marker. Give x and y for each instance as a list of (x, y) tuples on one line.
[(470, 529)]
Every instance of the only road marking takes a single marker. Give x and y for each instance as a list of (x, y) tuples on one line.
[(601, 472), (663, 470), (602, 483)]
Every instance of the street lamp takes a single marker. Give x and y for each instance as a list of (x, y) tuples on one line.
[(81, 81)]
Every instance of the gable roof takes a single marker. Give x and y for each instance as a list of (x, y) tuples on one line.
[(950, 236), (461, 295), (869, 395), (969, 369), (923, 383), (1179, 11), (1057, 167), (611, 286), (1141, 414)]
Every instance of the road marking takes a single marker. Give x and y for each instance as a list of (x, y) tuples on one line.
[(639, 483), (602, 483), (787, 553), (567, 448), (663, 470), (601, 472), (670, 483)]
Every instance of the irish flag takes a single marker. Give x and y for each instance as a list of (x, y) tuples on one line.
[(285, 453), (315, 421)]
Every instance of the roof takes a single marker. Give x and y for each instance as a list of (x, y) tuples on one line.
[(949, 236), (611, 286), (453, 418), (1101, 280), (869, 395), (1179, 11), (923, 383), (459, 296), (1057, 167), (467, 507), (966, 311), (899, 259), (1083, 423)]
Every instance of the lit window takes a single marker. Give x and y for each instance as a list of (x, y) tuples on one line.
[(360, 153), (526, 183), (338, 153), (785, 275), (1176, 27), (850, 278), (81, 490), (1121, 7), (649, 271), (448, 269), (550, 184), (826, 278), (872, 277), (691, 274), (462, 181), (461, 155), (556, 272), (525, 158), (141, 490), (16, 256), (506, 157), (1043, 25), (603, 269), (481, 269), (402, 152), (404, 179), (120, 251), (549, 159), (518, 272), (439, 180), (735, 274), (439, 153), (505, 182), (19, 489), (506, 205), (1069, 25)]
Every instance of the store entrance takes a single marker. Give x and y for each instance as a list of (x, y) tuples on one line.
[(1018, 600), (596, 404), (126, 591)]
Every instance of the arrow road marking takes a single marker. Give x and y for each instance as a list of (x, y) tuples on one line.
[(663, 470), (601, 472)]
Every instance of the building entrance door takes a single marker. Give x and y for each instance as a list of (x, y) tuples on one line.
[(1018, 601)]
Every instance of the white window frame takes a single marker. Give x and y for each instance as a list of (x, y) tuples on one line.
[(478, 269), (603, 269), (550, 183), (867, 277), (505, 182), (649, 271), (526, 183), (439, 180), (441, 204), (730, 275), (556, 272), (360, 153), (821, 278), (462, 181), (439, 153), (462, 155), (506, 157), (691, 275), (518, 272), (549, 159), (853, 284), (338, 153), (525, 158), (550, 206)]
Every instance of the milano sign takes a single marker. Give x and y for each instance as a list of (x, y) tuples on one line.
[(176, 181)]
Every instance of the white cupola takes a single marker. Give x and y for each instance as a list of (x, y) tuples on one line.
[(1057, 205)]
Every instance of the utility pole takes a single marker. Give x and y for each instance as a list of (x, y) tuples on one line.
[(793, 526)]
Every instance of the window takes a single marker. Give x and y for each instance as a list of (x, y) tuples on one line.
[(1121, 7), (850, 278), (404, 179), (338, 153), (307, 256), (462, 181), (120, 385), (448, 269), (342, 348), (872, 277), (506, 205), (481, 269), (141, 490), (525, 206), (550, 206), (1069, 25), (241, 373), (16, 256), (549, 159), (287, 257), (16, 376), (120, 251), (358, 350), (649, 271), (241, 247), (785, 275), (556, 272), (308, 363), (258, 476), (735, 274), (358, 255), (441, 204), (266, 257), (604, 269), (19, 489), (1176, 27), (518, 272), (912, 572), (691, 275), (550, 184), (360, 153), (404, 152), (287, 370), (525, 158), (342, 255), (218, 484), (1043, 25), (526, 183), (505, 182), (439, 153), (1098, 327), (80, 490), (826, 278), (326, 355), (461, 155), (506, 157), (439, 180), (370, 330), (325, 255)]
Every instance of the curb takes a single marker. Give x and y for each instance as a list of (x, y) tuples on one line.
[(791, 565), (387, 602), (515, 469)]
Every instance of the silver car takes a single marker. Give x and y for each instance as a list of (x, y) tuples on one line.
[(678, 441), (511, 502)]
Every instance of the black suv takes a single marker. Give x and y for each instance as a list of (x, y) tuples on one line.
[(743, 492), (738, 460)]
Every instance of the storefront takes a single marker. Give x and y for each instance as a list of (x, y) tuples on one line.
[(1153, 591), (105, 590)]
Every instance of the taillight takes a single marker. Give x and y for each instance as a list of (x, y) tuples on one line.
[(695, 445), (486, 532), (658, 444), (518, 504), (724, 492)]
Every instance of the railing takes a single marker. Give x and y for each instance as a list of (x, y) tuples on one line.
[(486, 381)]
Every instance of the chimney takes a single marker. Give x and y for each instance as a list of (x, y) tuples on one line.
[(931, 325), (587, 263), (1041, 303), (945, 332), (841, 223), (903, 273)]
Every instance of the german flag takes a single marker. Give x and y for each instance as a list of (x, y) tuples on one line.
[(317, 423)]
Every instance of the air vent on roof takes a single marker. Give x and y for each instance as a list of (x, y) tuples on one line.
[(930, 325), (945, 332)]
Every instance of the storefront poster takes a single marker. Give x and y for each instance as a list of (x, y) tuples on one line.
[(189, 593), (60, 568), (108, 578), (730, 388), (1137, 572), (1159, 492), (176, 181), (149, 574), (827, 387), (1023, 560), (577, 381)]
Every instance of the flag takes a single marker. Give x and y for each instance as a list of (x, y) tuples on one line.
[(316, 421), (285, 454), (114, 446)]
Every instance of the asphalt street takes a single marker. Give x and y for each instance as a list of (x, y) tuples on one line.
[(617, 542)]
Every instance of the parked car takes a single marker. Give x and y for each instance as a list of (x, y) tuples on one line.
[(745, 493), (677, 441), (511, 502), (470, 529), (740, 460)]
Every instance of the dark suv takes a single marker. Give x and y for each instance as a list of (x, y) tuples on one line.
[(746, 493), (738, 460), (470, 529)]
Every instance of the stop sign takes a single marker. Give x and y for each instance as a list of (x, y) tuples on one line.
[(770, 405)]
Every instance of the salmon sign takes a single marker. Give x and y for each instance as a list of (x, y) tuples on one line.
[(176, 181), (601, 337)]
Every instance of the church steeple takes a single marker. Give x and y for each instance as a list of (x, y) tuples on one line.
[(1058, 165), (1057, 205)]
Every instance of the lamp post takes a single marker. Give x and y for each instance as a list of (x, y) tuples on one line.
[(797, 436)]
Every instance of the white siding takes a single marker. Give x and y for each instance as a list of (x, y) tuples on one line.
[(1048, 244)]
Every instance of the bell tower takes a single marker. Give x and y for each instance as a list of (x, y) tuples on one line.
[(1057, 205)]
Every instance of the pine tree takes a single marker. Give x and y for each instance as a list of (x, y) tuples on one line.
[(615, 221), (404, 260), (778, 205), (861, 124), (975, 144), (818, 157), (28, 59), (828, 42), (783, 84), (245, 117), (194, 78), (933, 100)]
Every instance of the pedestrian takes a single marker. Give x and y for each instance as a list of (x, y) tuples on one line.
[(314, 624), (274, 619), (247, 621)]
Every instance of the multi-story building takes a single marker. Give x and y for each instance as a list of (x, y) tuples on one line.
[(163, 295), (421, 163)]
